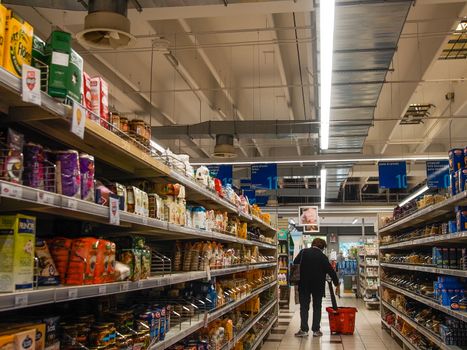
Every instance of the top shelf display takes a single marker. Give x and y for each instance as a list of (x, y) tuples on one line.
[(53, 119)]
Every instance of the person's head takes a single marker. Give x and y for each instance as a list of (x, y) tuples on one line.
[(319, 243)]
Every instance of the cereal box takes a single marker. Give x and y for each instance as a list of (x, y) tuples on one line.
[(17, 44), (17, 240), (3, 16)]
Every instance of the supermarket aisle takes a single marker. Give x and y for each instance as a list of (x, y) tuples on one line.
[(368, 333)]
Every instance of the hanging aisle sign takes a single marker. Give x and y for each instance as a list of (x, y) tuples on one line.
[(392, 175), (437, 173), (264, 176), (221, 172)]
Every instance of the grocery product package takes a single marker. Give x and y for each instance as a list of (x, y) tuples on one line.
[(33, 165), (74, 77), (82, 264), (100, 100), (86, 164), (17, 44), (17, 240), (48, 274), (58, 49), (3, 17), (11, 159), (68, 173)]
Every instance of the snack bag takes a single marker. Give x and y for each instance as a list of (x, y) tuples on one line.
[(81, 268), (48, 274)]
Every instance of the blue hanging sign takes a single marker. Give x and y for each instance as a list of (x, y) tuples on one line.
[(392, 175), (264, 176), (221, 172), (251, 195), (437, 173)]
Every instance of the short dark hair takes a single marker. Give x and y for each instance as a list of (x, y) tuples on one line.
[(319, 243)]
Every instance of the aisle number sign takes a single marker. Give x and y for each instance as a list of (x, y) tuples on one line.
[(264, 176), (221, 172), (392, 175), (437, 173)]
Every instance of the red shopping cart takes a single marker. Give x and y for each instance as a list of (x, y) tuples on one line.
[(341, 319)]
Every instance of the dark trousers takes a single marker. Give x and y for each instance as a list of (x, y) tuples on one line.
[(305, 295)]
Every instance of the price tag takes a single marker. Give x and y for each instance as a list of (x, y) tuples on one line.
[(102, 289), (72, 204), (125, 286), (45, 198), (114, 212), (139, 284), (78, 121), (21, 300), (31, 83), (10, 190), (73, 293)]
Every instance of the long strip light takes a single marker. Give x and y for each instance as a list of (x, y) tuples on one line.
[(323, 187), (328, 160), (354, 221), (326, 36), (414, 195)]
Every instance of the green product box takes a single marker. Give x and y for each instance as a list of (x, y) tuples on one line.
[(75, 76), (59, 41), (17, 241), (40, 60)]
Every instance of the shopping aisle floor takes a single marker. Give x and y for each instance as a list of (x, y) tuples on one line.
[(368, 332)]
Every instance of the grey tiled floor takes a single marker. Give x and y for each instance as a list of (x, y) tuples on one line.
[(368, 332)]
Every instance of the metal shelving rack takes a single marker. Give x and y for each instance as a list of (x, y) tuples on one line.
[(52, 119), (437, 212), (368, 283)]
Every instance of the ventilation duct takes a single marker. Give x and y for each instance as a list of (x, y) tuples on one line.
[(106, 25), (224, 147)]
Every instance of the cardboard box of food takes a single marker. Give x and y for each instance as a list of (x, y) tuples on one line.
[(17, 44), (3, 16), (100, 99), (17, 240)]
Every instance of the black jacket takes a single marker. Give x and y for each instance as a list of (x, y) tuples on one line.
[(314, 266)]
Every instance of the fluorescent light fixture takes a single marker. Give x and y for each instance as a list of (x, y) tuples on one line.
[(354, 221), (328, 160), (323, 187), (414, 195), (326, 36)]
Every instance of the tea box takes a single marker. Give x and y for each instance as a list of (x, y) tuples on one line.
[(74, 77), (100, 100), (17, 240), (3, 16), (17, 44), (58, 50)]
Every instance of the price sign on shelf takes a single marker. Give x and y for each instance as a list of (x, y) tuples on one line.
[(31, 84), (21, 300), (11, 190), (45, 198), (78, 121), (114, 213)]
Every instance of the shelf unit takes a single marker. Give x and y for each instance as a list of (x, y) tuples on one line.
[(406, 343), (285, 256), (52, 120), (434, 213), (368, 283)]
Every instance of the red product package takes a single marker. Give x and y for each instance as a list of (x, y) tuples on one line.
[(82, 263), (87, 95), (60, 248), (100, 99), (218, 187), (105, 262)]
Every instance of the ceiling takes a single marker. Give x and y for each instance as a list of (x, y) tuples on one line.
[(208, 60)]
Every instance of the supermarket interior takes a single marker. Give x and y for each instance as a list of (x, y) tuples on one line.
[(233, 174)]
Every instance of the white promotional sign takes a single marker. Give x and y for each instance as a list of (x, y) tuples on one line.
[(31, 78), (308, 218), (114, 213), (78, 121)]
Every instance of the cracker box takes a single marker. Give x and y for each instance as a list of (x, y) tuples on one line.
[(17, 240), (74, 78), (100, 99), (3, 16), (17, 44)]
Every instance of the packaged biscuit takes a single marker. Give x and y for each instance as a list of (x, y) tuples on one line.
[(3, 16), (48, 274), (25, 340), (17, 240), (18, 44)]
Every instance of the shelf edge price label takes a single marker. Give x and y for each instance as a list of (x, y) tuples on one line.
[(78, 120), (139, 284), (45, 198), (102, 290), (21, 300), (10, 190), (125, 286), (114, 212), (31, 85), (73, 293), (72, 204)]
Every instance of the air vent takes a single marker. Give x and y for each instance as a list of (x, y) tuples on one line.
[(416, 114), (456, 48), (224, 147)]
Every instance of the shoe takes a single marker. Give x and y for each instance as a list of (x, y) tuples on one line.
[(301, 334), (317, 334)]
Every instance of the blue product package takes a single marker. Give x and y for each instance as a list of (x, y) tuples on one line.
[(452, 226), (453, 187), (462, 178), (456, 159), (157, 323), (445, 300), (461, 218), (162, 329)]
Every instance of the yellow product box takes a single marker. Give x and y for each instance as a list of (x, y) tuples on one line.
[(25, 339), (17, 240), (17, 48), (13, 328), (7, 342), (3, 16)]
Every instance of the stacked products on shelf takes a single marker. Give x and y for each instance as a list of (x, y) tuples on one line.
[(369, 273)]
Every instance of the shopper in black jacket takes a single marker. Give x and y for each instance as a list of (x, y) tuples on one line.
[(314, 266)]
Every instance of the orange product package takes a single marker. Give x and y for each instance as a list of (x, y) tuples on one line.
[(82, 263), (102, 258), (60, 248), (111, 253)]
